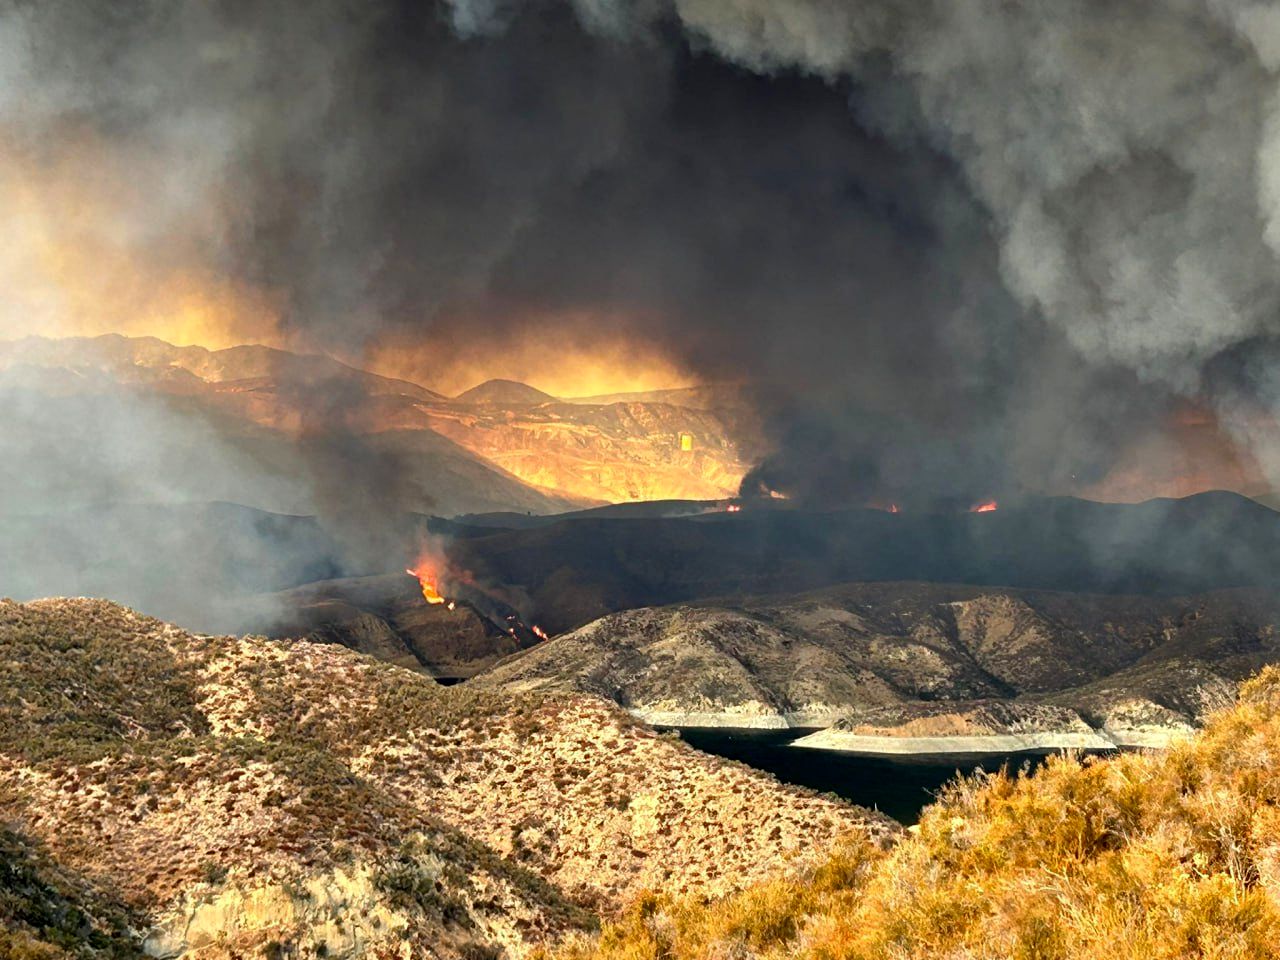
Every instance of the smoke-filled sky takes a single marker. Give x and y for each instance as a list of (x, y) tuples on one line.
[(966, 248)]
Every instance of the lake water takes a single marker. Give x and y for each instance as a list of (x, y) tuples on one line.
[(898, 786)]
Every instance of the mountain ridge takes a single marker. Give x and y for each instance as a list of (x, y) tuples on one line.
[(501, 391), (872, 660)]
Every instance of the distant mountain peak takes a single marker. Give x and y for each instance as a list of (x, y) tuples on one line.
[(504, 392)]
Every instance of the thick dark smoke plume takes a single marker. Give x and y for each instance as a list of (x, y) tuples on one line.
[(969, 248)]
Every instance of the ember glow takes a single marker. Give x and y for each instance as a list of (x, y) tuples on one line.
[(988, 506), (884, 506)]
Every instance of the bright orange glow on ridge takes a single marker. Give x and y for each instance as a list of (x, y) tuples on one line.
[(569, 356)]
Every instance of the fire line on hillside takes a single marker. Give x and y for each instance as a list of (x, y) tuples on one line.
[(495, 612)]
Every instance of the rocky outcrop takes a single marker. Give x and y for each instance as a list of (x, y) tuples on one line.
[(338, 913), (354, 910)]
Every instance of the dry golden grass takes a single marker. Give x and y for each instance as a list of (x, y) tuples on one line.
[(1139, 857)]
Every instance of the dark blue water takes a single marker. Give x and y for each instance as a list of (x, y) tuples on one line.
[(898, 786)]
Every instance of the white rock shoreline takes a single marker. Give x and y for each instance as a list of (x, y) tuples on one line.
[(891, 745), (725, 720), (990, 743)]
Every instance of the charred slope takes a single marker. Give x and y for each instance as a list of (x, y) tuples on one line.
[(386, 617), (244, 796), (1121, 662), (580, 570)]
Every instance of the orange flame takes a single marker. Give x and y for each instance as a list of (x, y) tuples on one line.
[(542, 634), (427, 580), (988, 507), (732, 508)]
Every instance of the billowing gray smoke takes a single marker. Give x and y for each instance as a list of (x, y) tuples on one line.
[(1128, 157), (968, 247)]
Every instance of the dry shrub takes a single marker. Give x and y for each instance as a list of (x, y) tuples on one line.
[(1144, 856)]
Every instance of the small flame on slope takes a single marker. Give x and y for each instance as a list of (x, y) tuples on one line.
[(987, 507), (427, 581)]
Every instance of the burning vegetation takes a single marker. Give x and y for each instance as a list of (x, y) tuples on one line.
[(463, 589), (427, 580)]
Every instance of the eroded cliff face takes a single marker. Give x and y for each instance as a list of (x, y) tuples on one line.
[(1088, 670), (238, 795)]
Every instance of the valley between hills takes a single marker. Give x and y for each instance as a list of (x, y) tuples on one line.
[(432, 725), (171, 795), (639, 480)]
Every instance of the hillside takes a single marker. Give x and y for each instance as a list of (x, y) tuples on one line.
[(386, 617), (109, 419), (1170, 855), (240, 797), (504, 393), (709, 396), (577, 572), (534, 453), (610, 452), (897, 660)]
